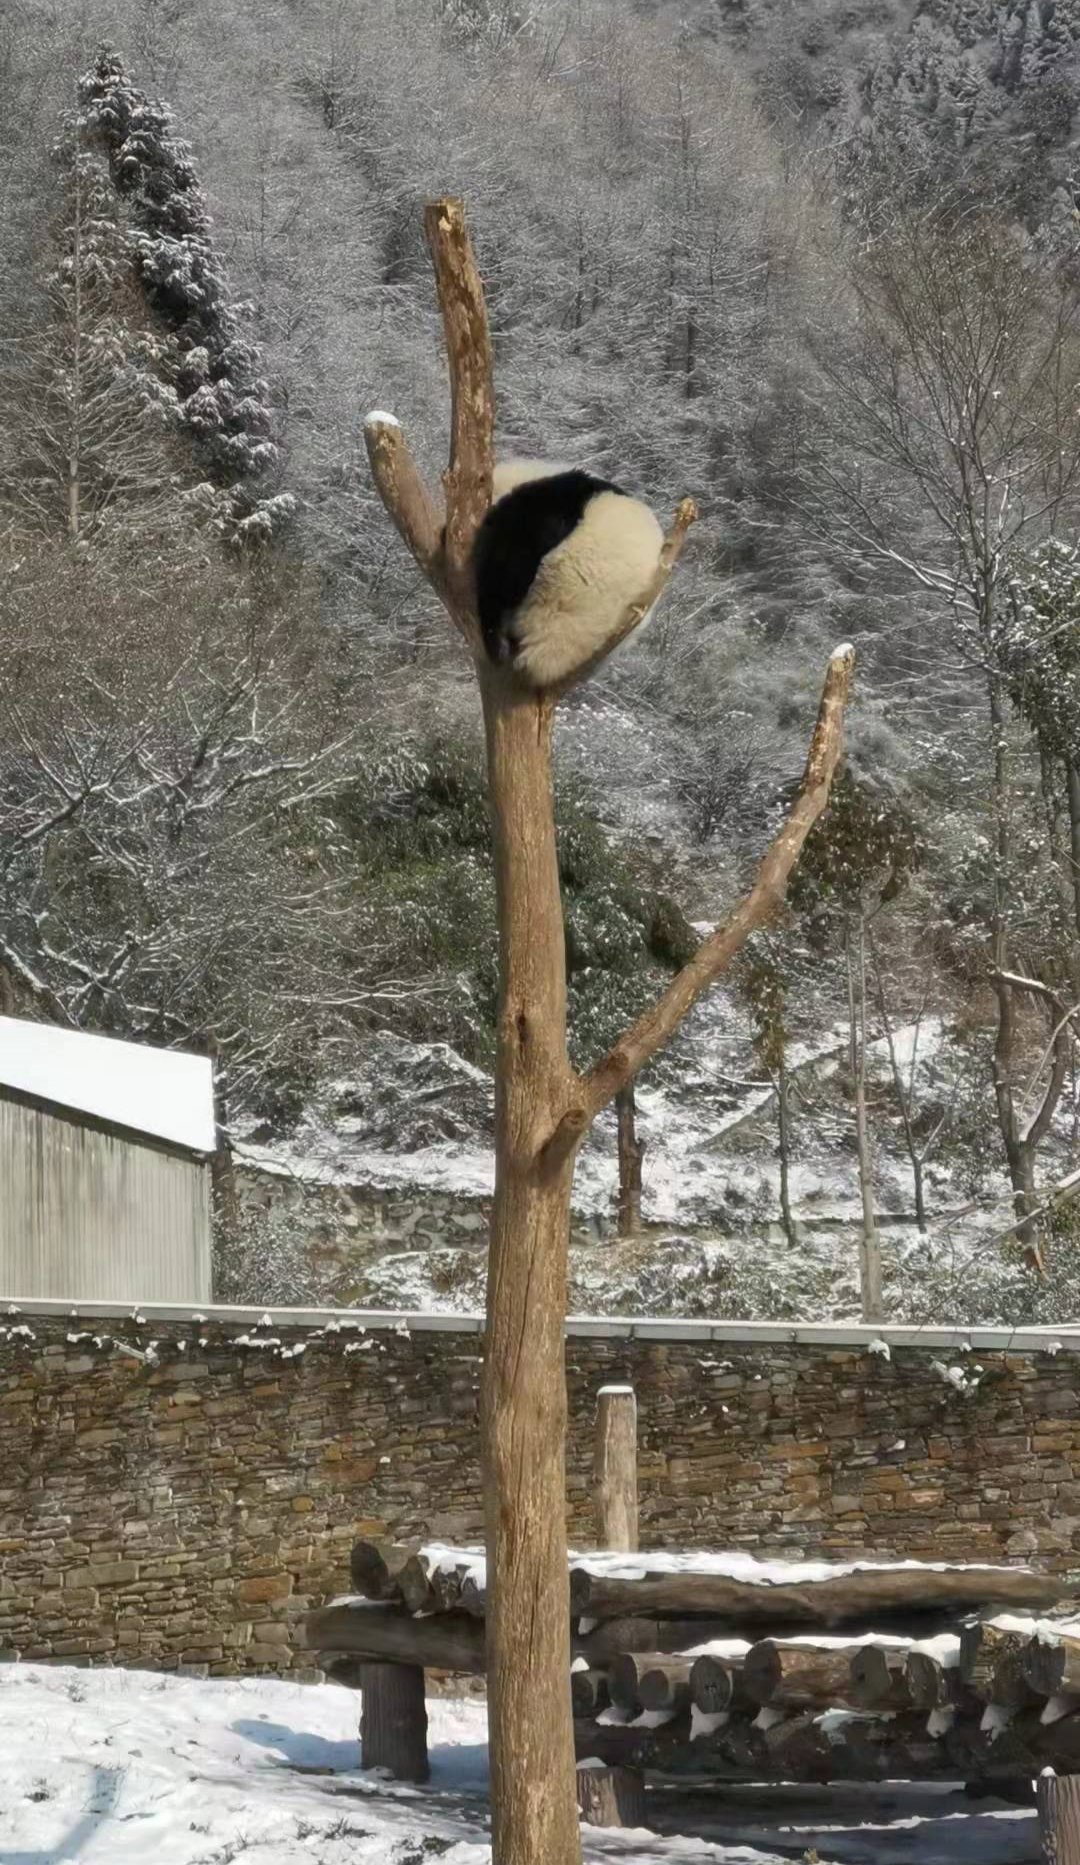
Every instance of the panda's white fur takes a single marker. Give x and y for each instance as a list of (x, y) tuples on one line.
[(583, 586)]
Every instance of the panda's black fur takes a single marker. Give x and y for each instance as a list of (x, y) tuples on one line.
[(518, 532), (558, 560)]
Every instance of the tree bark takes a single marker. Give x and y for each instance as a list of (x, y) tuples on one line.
[(664, 1682), (611, 1796), (1072, 781), (1019, 1154), (223, 1184), (615, 1490), (932, 1685), (393, 1720), (624, 1679), (615, 1636), (902, 1089), (523, 1395), (712, 1683)]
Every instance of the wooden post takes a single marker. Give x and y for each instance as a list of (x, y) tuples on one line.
[(615, 1497), (610, 1796), (1059, 1817), (614, 1796), (393, 1720)]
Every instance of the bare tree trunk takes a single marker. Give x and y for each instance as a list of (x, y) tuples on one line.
[(74, 467), (783, 1122), (631, 1154), (903, 1093), (1020, 1163), (870, 1247), (523, 1402), (1072, 781), (222, 1169)]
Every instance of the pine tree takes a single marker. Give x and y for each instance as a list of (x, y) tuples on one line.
[(211, 372)]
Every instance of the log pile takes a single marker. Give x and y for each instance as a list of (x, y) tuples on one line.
[(723, 1668)]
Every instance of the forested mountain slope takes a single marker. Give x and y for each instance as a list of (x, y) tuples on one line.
[(817, 274)]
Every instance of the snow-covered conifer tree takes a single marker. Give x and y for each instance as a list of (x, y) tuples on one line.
[(210, 369)]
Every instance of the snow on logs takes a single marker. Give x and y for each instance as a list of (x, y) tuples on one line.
[(730, 1586), (742, 1588), (664, 1681)]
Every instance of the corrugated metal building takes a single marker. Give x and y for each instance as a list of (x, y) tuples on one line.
[(104, 1168)]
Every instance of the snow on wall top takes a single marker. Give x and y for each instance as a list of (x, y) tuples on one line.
[(157, 1092)]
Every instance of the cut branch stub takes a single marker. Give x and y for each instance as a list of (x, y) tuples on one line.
[(406, 495)]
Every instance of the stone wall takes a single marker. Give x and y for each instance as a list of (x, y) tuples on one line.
[(177, 1490)]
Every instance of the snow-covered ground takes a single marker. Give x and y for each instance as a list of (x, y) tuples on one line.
[(112, 1767), (419, 1116)]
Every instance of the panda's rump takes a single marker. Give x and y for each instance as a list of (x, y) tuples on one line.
[(585, 585)]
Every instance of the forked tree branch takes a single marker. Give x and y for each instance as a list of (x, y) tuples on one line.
[(442, 546), (653, 1029), (467, 479)]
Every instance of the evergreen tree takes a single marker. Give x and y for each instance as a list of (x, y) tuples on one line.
[(83, 446), (210, 371)]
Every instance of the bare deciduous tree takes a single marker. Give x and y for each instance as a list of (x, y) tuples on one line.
[(543, 1108), (952, 450)]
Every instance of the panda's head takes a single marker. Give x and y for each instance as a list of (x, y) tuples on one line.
[(559, 560)]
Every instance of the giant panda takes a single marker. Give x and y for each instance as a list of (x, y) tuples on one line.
[(558, 560)]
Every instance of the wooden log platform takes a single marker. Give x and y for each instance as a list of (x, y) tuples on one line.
[(389, 1634)]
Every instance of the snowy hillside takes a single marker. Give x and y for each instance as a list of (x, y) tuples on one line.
[(416, 1120)]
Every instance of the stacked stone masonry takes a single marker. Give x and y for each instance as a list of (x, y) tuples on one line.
[(177, 1494)]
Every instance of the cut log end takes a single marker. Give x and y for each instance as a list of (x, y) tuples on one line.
[(374, 1567), (712, 1685), (589, 1692), (610, 1796), (879, 1678)]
